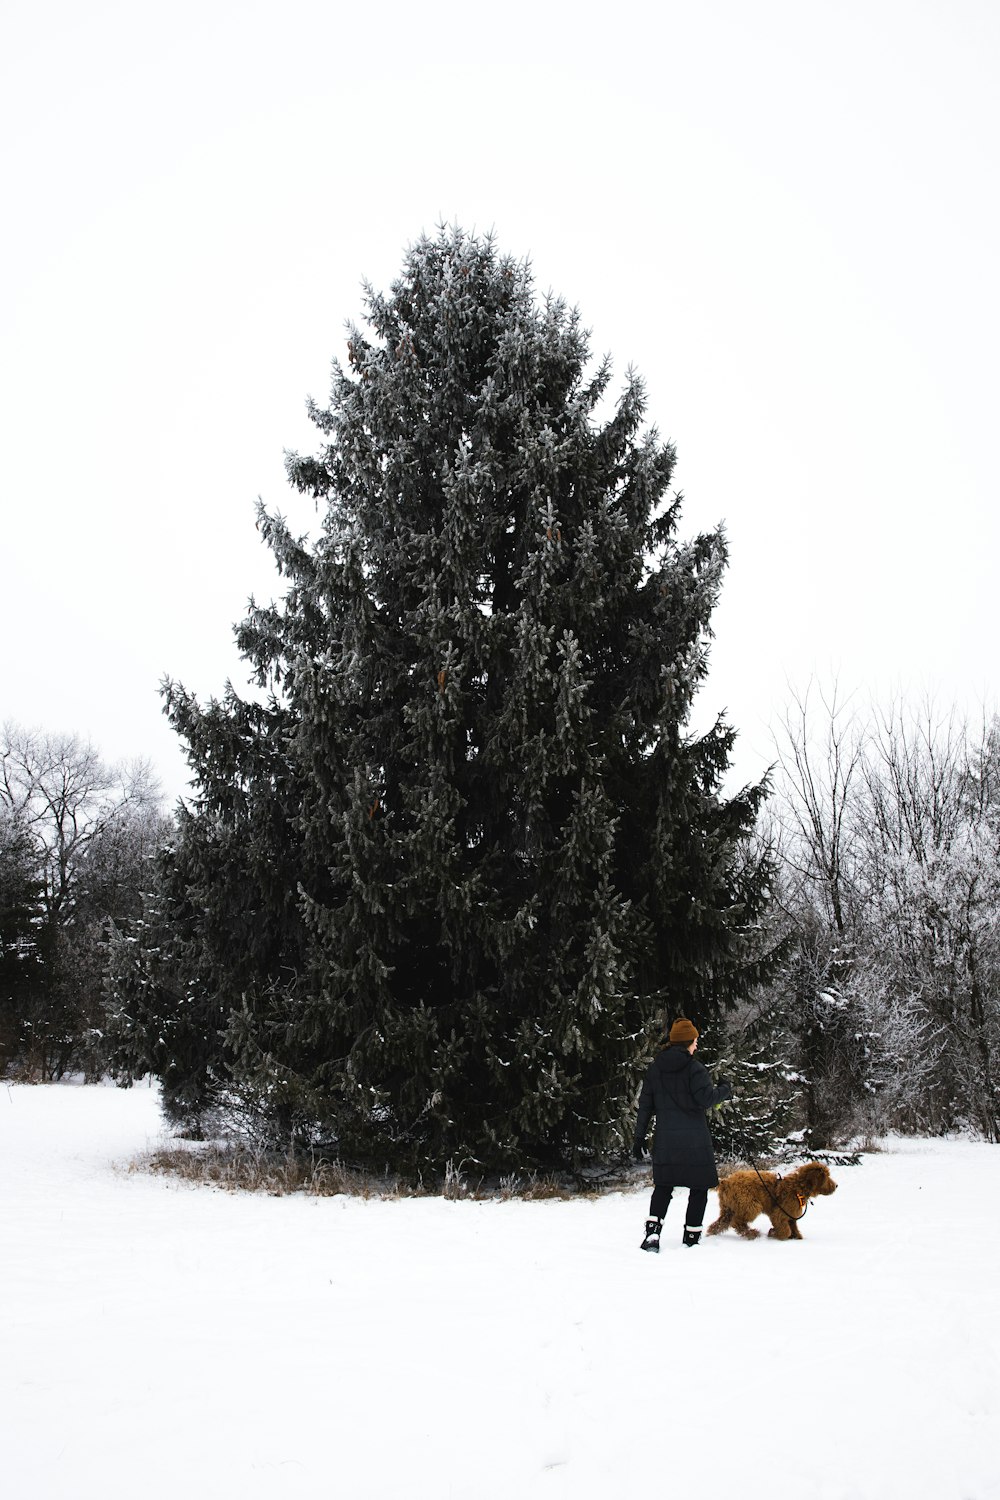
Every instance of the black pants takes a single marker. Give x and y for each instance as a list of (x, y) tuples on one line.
[(697, 1199)]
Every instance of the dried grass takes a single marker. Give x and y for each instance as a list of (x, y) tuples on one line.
[(237, 1167)]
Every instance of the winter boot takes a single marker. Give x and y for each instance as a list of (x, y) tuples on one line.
[(652, 1240), (692, 1234)]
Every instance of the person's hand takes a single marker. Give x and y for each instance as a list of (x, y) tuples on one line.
[(638, 1152)]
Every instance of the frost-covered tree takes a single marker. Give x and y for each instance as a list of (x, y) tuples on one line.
[(433, 896), (891, 890), (820, 901), (931, 835)]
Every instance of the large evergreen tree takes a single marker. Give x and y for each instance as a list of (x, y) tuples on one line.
[(432, 899)]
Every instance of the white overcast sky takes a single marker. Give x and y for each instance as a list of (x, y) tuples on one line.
[(785, 215)]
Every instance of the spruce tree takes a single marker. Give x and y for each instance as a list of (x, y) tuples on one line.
[(435, 896), (25, 944)]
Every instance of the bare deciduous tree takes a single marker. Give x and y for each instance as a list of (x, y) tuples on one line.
[(821, 774), (65, 798)]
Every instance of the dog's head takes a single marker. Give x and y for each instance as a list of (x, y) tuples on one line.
[(815, 1180)]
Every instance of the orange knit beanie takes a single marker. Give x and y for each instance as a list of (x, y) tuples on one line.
[(683, 1032)]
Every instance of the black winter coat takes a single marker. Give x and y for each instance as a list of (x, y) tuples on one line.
[(678, 1091)]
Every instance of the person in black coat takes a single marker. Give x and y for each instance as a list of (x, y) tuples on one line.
[(679, 1091)]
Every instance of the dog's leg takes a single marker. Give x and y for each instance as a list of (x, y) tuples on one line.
[(747, 1233), (780, 1228)]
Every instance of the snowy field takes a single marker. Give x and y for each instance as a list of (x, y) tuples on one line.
[(163, 1340)]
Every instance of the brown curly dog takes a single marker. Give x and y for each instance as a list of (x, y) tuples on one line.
[(742, 1196)]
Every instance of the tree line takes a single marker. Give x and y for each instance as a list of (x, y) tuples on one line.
[(882, 1013), (445, 877), (77, 843), (886, 826)]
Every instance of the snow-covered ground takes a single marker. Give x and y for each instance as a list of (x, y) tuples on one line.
[(166, 1340)]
